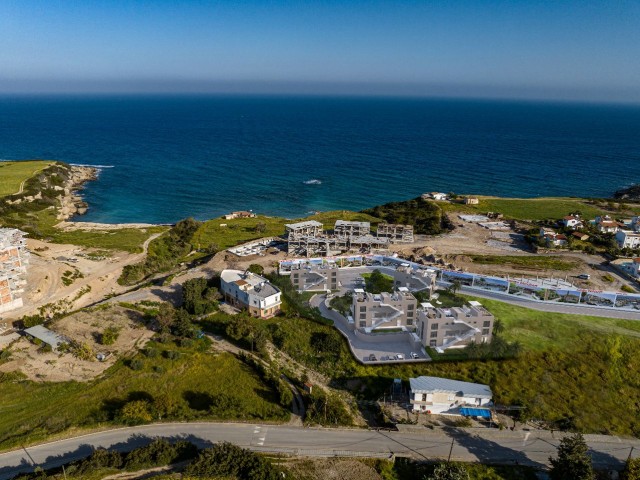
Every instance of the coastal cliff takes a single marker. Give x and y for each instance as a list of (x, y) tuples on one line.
[(71, 203), (630, 193)]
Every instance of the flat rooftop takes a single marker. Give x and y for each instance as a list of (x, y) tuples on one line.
[(307, 224), (347, 223)]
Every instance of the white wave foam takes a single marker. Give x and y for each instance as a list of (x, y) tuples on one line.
[(313, 181), (94, 166)]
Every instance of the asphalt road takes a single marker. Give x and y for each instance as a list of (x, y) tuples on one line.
[(553, 307), (484, 445), (349, 278)]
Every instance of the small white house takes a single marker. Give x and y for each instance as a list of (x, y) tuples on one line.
[(442, 395), (572, 221)]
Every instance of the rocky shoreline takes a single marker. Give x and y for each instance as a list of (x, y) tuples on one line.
[(71, 203)]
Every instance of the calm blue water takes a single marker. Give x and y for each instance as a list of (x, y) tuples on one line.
[(174, 157)]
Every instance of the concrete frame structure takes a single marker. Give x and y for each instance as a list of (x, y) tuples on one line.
[(445, 396), (443, 328), (315, 278), (250, 292), (345, 228), (14, 258), (396, 233), (372, 311), (308, 239), (303, 229)]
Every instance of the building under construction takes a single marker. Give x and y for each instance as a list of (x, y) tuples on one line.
[(346, 228), (309, 239), (396, 233), (14, 258)]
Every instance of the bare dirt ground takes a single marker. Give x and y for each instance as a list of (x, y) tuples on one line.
[(454, 250), (331, 469), (83, 327), (94, 277)]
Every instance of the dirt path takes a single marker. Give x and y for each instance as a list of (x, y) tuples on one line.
[(21, 189)]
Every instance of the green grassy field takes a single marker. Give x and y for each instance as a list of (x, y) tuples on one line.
[(529, 262), (242, 230), (31, 411), (526, 208), (126, 239), (12, 174)]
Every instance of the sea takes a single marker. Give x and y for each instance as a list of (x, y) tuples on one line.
[(163, 158)]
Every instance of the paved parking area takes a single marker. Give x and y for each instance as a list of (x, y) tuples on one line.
[(385, 352)]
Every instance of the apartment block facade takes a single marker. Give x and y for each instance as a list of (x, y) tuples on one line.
[(372, 311), (312, 278), (443, 328)]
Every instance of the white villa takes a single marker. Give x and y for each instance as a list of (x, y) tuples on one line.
[(251, 292), (442, 395)]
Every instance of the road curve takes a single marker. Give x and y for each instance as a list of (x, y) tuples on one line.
[(483, 445)]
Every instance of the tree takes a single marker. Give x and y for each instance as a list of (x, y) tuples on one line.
[(377, 282), (573, 461), (449, 471), (632, 469), (498, 327), (255, 268), (135, 412), (166, 316), (454, 287), (182, 325), (260, 227)]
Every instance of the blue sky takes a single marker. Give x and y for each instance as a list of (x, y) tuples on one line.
[(523, 49)]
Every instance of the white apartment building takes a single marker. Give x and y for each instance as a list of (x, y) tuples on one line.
[(443, 328), (372, 311)]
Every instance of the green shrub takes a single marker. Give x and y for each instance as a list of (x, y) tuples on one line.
[(110, 335), (136, 364), (225, 459)]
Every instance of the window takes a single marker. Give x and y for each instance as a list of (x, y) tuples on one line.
[(411, 307), (434, 326), (363, 324), (424, 397), (486, 323), (434, 334), (485, 331), (409, 321), (363, 309), (363, 315), (432, 343)]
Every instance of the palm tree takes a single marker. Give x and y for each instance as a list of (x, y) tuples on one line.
[(498, 327)]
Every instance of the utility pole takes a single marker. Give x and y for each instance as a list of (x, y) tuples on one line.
[(630, 452), (451, 449)]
